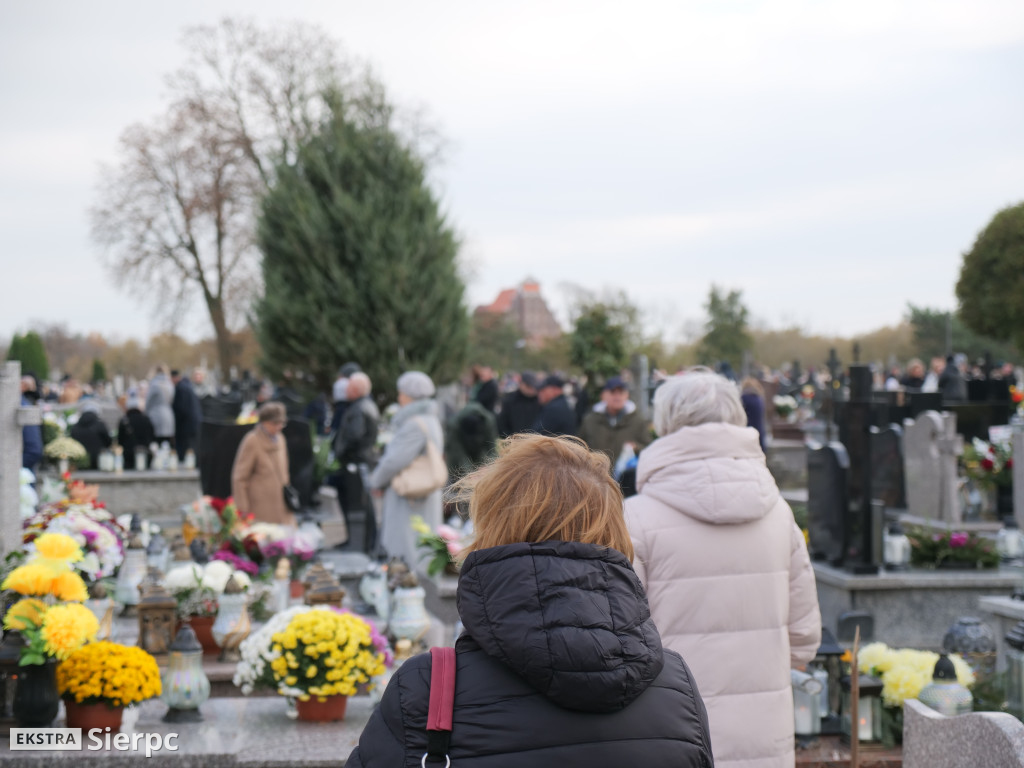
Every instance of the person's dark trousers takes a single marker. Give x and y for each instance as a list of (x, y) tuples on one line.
[(182, 444), (353, 496)]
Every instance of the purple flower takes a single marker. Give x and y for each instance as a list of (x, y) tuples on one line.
[(236, 562), (90, 536), (958, 539)]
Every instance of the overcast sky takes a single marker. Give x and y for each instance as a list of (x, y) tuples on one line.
[(832, 160)]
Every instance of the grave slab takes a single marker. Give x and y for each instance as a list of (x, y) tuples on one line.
[(931, 740)]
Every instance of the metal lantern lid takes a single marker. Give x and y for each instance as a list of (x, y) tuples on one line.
[(185, 641), (969, 634), (829, 646), (869, 686), (157, 545), (944, 669), (1015, 637)]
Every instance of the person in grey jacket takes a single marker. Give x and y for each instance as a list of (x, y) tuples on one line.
[(415, 422), (159, 405)]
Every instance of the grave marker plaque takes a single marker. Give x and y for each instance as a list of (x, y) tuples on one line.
[(827, 501)]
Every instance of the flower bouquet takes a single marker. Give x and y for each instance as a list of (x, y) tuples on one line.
[(443, 546), (277, 541), (903, 673), (94, 529), (66, 449), (784, 405), (108, 673), (50, 616), (197, 588), (214, 520), (951, 549), (988, 464)]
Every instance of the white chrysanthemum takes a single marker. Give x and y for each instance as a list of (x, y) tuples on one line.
[(182, 578), (215, 575), (256, 652)]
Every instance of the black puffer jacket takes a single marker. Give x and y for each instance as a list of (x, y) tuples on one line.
[(560, 665)]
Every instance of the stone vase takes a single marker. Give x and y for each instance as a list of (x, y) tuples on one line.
[(88, 716), (35, 695), (322, 709)]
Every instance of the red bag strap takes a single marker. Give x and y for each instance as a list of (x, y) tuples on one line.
[(442, 704)]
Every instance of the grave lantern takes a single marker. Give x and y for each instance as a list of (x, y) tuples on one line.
[(158, 613), (944, 693), (282, 585), (102, 608), (185, 685), (895, 548), (827, 669), (1015, 670), (1010, 540), (806, 703), (158, 553), (869, 708), (975, 641), (130, 574), (324, 590), (232, 625)]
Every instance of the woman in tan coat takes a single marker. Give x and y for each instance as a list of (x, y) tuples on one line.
[(261, 469), (726, 568)]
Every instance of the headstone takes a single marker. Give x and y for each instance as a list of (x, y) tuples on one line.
[(932, 740), (931, 446), (13, 416), (827, 501), (887, 466)]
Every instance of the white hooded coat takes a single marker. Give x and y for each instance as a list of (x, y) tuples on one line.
[(729, 582)]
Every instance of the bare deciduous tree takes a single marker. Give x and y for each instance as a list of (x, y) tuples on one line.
[(176, 215)]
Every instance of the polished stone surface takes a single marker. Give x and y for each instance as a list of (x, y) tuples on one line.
[(155, 495), (931, 740), (1002, 614), (255, 733)]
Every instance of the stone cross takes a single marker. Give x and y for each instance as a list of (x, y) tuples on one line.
[(13, 416), (931, 446)]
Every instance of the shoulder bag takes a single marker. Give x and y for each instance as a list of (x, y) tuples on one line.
[(442, 706), (424, 474), (290, 492)]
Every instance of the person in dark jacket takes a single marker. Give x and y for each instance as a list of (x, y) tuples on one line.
[(355, 448), (31, 434), (485, 388), (471, 439), (952, 384), (134, 431), (752, 399), (91, 432), (519, 409), (188, 415), (556, 415), (559, 663)]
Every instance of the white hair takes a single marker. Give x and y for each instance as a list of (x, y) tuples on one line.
[(699, 396), (362, 382)]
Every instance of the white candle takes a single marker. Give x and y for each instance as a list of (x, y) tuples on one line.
[(803, 720)]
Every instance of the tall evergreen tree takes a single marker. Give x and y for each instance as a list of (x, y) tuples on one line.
[(725, 332), (359, 263), (29, 350)]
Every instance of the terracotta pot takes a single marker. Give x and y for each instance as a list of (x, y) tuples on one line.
[(203, 627), (297, 589), (322, 709), (89, 716)]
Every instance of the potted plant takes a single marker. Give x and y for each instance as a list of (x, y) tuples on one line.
[(51, 620), (197, 588), (99, 680), (951, 550), (65, 451), (320, 656)]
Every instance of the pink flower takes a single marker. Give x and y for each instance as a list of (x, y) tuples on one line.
[(454, 548), (447, 533), (958, 539)]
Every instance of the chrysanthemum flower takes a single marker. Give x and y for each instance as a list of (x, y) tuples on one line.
[(30, 579), (24, 613), (66, 628), (58, 546), (69, 586)]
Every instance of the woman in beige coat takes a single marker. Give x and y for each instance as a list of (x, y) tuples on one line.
[(726, 568), (261, 469)]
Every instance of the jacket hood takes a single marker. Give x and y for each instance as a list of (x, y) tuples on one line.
[(715, 473), (571, 619), (425, 407)]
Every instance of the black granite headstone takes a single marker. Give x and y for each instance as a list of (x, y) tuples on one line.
[(827, 501), (887, 484)]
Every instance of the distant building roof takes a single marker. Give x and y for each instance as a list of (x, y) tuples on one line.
[(527, 309)]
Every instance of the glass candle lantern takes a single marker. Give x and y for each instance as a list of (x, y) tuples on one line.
[(806, 703), (944, 693), (130, 575), (869, 708), (232, 625), (1010, 540), (895, 548), (826, 667), (185, 685)]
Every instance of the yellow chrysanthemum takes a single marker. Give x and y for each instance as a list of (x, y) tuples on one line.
[(111, 672), (964, 673), (66, 628), (24, 613), (69, 586), (30, 579), (901, 683), (58, 546), (875, 656)]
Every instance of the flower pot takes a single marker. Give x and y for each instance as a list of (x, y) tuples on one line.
[(35, 695), (88, 716), (203, 627), (297, 589), (322, 709)]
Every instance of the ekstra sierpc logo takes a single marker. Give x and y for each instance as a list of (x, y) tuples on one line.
[(94, 739)]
